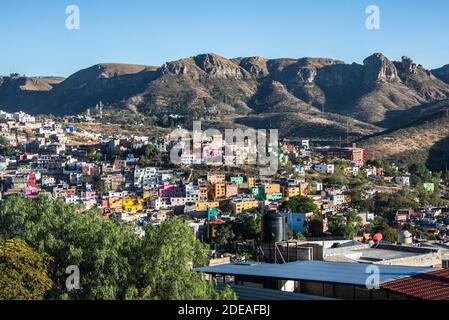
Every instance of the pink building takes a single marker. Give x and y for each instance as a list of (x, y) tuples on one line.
[(166, 190), (31, 193), (89, 195)]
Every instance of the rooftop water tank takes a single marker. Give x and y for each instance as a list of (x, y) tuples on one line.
[(405, 237), (274, 227)]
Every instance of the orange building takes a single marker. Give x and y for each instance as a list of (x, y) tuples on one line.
[(115, 203), (272, 188), (204, 192), (219, 191), (251, 182), (202, 206)]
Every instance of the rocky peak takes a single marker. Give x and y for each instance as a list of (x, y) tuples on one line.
[(180, 67), (219, 67), (257, 66), (379, 69), (304, 71), (408, 65)]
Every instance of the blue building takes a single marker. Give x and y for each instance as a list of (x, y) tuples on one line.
[(297, 222), (69, 129)]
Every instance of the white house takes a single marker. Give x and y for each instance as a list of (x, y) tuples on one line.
[(402, 180), (325, 168), (338, 199)]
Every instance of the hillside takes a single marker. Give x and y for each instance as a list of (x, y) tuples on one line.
[(442, 73), (425, 140), (306, 96)]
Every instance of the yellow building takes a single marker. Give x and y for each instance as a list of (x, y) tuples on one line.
[(202, 206), (289, 192), (133, 204), (251, 182), (243, 205)]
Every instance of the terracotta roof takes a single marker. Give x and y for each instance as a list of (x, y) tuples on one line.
[(426, 286)]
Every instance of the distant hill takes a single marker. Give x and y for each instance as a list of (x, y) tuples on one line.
[(306, 96), (423, 140), (442, 73)]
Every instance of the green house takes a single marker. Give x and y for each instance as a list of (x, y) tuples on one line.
[(212, 214), (259, 193), (430, 187), (274, 196), (237, 180)]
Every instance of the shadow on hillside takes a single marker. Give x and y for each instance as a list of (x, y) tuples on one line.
[(438, 159)]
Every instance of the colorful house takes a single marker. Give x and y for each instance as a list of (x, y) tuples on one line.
[(272, 188), (237, 180), (274, 196), (251, 182), (258, 192), (133, 204), (203, 206), (31, 193), (241, 205), (166, 190)]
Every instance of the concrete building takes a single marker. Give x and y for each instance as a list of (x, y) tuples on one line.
[(318, 278)]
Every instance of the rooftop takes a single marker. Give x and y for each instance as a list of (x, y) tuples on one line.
[(367, 254), (319, 271), (428, 286), (252, 293)]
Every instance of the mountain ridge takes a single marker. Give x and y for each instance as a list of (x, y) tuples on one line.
[(210, 86)]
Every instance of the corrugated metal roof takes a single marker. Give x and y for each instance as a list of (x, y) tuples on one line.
[(429, 286), (251, 293), (320, 271)]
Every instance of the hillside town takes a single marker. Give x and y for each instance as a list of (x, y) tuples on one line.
[(331, 203)]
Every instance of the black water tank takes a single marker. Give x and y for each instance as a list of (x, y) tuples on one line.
[(274, 227)]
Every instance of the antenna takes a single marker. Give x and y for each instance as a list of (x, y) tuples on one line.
[(347, 131)]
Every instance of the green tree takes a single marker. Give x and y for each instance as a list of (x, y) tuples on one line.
[(380, 225), (147, 153), (3, 141), (420, 174), (169, 251), (301, 204), (248, 227), (23, 272), (386, 205), (315, 225), (114, 262), (101, 249), (359, 203), (225, 235), (346, 225)]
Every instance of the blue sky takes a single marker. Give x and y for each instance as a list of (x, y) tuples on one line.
[(34, 40)]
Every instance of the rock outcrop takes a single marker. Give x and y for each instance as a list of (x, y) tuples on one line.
[(211, 86), (379, 69)]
